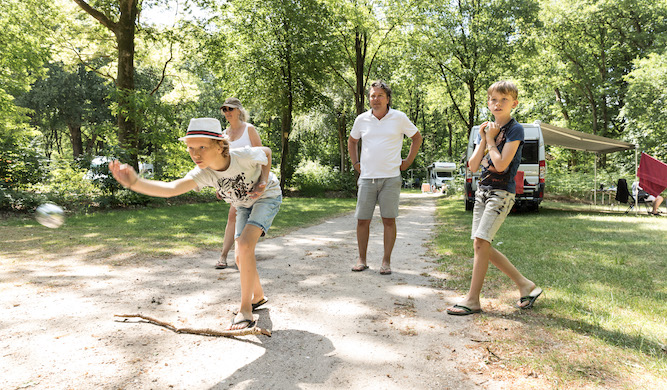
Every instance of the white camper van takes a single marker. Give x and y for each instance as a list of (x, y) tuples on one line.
[(533, 167), (440, 174)]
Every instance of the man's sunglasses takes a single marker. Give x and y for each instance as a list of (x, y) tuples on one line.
[(227, 109)]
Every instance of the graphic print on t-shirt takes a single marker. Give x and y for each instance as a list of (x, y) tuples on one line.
[(490, 175), (486, 160), (234, 188)]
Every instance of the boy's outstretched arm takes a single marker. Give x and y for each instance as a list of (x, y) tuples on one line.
[(128, 178)]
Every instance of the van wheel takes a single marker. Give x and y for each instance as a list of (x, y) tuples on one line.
[(469, 205)]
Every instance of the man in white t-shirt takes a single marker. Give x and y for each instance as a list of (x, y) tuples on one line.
[(381, 130)]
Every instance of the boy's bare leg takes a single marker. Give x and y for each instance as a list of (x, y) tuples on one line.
[(250, 284), (499, 260), (389, 240), (230, 231), (479, 268), (363, 234)]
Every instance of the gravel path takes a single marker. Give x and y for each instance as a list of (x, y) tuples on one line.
[(332, 328)]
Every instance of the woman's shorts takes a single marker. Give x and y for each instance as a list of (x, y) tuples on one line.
[(491, 209), (260, 214), (385, 191)]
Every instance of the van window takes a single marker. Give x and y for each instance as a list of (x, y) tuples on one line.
[(530, 153), (444, 174)]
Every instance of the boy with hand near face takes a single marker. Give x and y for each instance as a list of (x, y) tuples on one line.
[(498, 152)]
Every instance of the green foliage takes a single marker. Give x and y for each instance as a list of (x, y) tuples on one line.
[(579, 184), (20, 162), (313, 179), (645, 110)]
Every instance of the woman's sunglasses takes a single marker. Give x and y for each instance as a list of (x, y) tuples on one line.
[(227, 109)]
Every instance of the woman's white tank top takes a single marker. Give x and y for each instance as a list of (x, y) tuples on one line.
[(243, 141)]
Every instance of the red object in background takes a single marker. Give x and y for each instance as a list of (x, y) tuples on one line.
[(518, 179), (652, 175)]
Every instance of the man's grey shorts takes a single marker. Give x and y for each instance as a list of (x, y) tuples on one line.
[(385, 192), (491, 209), (260, 214)]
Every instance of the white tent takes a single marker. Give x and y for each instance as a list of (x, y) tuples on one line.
[(577, 140)]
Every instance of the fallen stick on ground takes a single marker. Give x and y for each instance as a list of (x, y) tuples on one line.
[(204, 332)]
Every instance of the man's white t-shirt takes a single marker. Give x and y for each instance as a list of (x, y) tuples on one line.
[(234, 183), (381, 142)]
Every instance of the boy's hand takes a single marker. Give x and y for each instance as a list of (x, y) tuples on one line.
[(492, 130), (482, 132), (258, 189), (123, 173)]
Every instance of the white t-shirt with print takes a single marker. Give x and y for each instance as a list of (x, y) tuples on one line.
[(381, 142), (234, 183)]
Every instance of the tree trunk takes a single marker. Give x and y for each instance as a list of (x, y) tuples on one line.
[(127, 129), (451, 136), (563, 110), (285, 129), (124, 32), (342, 140), (473, 103), (360, 46), (75, 137)]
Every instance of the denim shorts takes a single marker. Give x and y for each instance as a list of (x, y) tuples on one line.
[(491, 209), (260, 214), (384, 191)]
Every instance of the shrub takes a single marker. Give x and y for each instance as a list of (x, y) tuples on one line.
[(314, 179)]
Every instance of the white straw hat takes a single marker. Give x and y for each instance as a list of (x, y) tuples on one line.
[(204, 128)]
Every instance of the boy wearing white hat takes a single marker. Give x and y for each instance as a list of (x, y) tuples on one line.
[(243, 178)]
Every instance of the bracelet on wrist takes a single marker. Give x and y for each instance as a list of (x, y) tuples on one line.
[(358, 162), (135, 182)]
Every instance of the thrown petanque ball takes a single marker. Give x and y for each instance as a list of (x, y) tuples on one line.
[(50, 215)]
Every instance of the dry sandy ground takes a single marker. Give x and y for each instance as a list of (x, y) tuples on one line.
[(332, 328)]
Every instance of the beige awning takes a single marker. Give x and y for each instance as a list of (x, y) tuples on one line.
[(577, 140)]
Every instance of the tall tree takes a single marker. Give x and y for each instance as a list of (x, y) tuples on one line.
[(596, 42), (360, 31), (471, 43), (120, 18), (21, 54), (71, 100), (645, 113), (274, 49)]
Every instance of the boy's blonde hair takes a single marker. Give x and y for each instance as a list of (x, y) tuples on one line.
[(505, 87), (224, 144)]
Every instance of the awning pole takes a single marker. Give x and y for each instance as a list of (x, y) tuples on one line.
[(636, 196), (595, 179)]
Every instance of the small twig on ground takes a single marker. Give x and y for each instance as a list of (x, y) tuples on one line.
[(493, 354), (255, 330)]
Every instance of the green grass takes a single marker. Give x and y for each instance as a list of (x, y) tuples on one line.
[(605, 282), (133, 234)]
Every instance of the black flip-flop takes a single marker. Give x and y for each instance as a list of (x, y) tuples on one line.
[(261, 302), (466, 310), (531, 298), (249, 324), (359, 268), (256, 306)]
